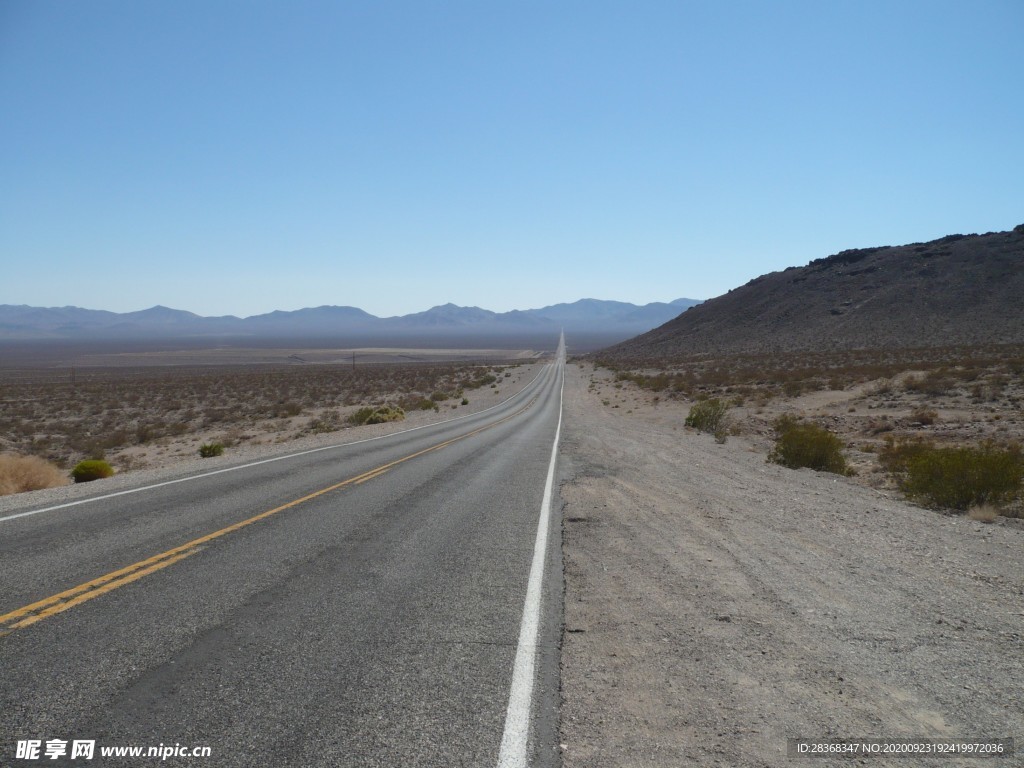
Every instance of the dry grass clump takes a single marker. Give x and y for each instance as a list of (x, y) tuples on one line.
[(924, 416), (985, 513), (28, 473)]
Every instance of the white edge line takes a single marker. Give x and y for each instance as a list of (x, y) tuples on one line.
[(515, 739), (267, 461)]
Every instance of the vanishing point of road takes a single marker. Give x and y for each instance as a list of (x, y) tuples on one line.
[(391, 602)]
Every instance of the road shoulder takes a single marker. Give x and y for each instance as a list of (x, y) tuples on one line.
[(716, 605)]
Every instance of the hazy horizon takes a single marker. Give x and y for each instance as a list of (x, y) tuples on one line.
[(351, 306), (234, 159)]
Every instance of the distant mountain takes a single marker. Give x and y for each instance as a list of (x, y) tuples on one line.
[(958, 290), (609, 321), (618, 313)]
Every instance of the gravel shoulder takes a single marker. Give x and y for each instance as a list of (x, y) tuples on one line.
[(717, 605)]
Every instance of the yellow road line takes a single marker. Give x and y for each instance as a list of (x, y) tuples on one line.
[(41, 609)]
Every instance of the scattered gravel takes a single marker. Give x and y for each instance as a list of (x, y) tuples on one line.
[(717, 605)]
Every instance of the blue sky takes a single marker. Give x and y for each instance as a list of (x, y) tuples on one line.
[(239, 157)]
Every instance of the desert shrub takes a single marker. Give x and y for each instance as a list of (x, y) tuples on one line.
[(804, 444), (378, 415), (439, 397), (416, 402), (879, 425), (28, 473), (329, 421), (209, 450), (924, 416), (465, 401), (656, 383), (934, 383), (290, 408), (965, 476), (91, 469), (895, 455), (360, 416), (483, 381), (386, 413), (794, 388), (708, 415)]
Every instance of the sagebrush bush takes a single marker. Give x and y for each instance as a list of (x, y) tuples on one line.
[(895, 455), (964, 477), (924, 416), (804, 444), (708, 416), (378, 415), (329, 421), (386, 413), (360, 416), (28, 473), (209, 450), (92, 469)]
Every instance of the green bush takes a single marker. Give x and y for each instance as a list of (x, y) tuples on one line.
[(895, 455), (378, 415), (93, 469), (386, 413), (208, 450), (708, 416), (964, 477), (465, 401), (803, 444), (360, 416)]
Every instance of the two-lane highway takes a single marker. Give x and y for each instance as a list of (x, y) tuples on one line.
[(390, 602)]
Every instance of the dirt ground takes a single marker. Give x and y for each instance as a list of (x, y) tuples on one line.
[(172, 456), (152, 409), (717, 605)]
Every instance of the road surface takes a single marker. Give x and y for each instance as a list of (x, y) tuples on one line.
[(357, 606)]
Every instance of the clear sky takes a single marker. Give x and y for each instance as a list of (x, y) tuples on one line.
[(238, 157)]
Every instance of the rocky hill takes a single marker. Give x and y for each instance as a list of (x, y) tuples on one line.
[(958, 290)]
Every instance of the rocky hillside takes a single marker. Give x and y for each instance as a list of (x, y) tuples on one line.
[(958, 290)]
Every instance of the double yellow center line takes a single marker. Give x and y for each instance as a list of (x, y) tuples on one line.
[(69, 598)]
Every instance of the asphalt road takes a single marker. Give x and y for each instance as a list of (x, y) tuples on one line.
[(373, 623)]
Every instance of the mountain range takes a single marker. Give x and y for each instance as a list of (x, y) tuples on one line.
[(592, 318), (959, 290)]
